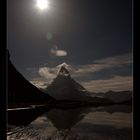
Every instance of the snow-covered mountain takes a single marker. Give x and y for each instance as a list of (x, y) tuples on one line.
[(64, 87)]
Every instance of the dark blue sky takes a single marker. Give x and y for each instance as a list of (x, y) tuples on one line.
[(82, 31)]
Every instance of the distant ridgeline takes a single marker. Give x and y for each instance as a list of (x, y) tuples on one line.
[(21, 92)]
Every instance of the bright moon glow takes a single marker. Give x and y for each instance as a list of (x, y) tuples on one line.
[(42, 4)]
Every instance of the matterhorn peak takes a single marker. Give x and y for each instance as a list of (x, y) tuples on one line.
[(64, 87), (64, 65), (63, 71)]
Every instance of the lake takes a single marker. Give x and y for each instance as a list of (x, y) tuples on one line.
[(92, 123)]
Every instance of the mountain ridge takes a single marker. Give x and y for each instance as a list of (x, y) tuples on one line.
[(64, 87)]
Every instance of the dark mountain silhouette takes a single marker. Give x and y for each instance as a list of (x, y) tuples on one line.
[(117, 96), (21, 92), (64, 87)]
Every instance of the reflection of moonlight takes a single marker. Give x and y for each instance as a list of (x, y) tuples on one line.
[(42, 4)]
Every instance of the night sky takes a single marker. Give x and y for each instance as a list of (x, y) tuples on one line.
[(92, 37)]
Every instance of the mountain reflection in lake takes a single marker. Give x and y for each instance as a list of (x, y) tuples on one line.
[(101, 123)]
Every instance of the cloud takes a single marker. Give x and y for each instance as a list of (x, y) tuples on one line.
[(56, 52), (97, 66), (48, 73), (102, 64), (61, 53), (39, 84), (117, 83)]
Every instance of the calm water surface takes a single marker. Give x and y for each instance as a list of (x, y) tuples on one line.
[(100, 123)]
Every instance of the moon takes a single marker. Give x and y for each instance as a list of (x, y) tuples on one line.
[(42, 4)]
